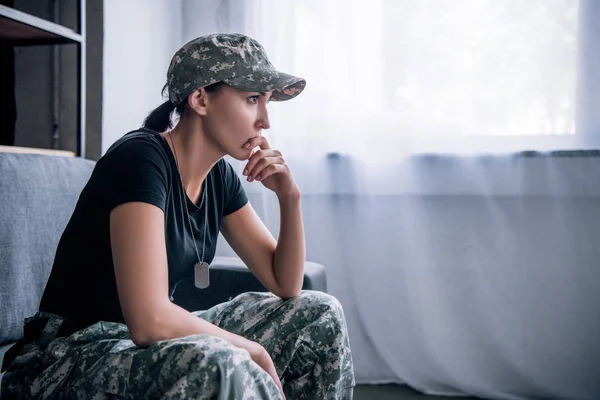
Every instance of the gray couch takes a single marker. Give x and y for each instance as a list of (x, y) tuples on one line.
[(37, 195)]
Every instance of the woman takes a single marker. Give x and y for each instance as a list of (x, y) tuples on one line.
[(149, 217)]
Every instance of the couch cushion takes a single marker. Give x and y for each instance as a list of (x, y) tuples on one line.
[(37, 196), (3, 349)]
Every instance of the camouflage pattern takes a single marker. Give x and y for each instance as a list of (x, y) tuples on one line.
[(306, 337), (234, 59)]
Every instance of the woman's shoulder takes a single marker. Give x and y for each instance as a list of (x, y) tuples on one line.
[(138, 141), (136, 152)]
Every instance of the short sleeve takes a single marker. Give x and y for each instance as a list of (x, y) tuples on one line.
[(136, 171), (235, 195)]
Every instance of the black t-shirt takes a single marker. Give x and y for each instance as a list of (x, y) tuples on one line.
[(139, 167)]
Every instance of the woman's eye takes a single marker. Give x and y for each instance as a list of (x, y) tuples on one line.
[(253, 99)]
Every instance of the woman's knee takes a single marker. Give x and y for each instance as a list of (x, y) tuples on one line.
[(220, 367), (314, 297), (198, 362), (314, 304)]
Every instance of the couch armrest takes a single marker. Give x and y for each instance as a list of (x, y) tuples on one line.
[(230, 277)]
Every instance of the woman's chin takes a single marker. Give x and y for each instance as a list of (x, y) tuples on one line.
[(241, 155)]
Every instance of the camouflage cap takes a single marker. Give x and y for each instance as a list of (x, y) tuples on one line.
[(234, 59)]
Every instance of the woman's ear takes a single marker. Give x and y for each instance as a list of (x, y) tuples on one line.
[(198, 101)]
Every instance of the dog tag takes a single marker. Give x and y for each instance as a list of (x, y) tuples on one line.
[(201, 275)]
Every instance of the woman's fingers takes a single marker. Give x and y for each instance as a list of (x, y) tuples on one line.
[(270, 170), (271, 371), (260, 160), (258, 141), (263, 162), (263, 359), (266, 167)]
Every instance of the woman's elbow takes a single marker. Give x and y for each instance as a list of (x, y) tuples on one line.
[(143, 337), (146, 330), (286, 294)]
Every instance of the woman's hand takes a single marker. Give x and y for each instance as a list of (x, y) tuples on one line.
[(268, 166), (260, 356)]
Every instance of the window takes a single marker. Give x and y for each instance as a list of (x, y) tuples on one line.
[(496, 67), (389, 76)]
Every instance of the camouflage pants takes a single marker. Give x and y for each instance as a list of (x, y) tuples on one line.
[(305, 336)]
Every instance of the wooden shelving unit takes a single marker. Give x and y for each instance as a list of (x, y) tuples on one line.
[(22, 29)]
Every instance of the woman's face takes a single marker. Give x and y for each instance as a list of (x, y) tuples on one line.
[(233, 117)]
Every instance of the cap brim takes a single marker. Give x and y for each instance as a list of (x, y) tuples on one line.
[(283, 86)]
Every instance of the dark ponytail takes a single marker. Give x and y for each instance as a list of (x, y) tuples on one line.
[(159, 119)]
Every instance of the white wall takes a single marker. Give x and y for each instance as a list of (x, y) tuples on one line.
[(140, 37), (202, 17)]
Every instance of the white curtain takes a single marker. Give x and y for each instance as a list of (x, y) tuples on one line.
[(386, 78), (463, 266)]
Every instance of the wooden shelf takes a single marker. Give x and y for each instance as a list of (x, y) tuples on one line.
[(23, 29), (18, 28)]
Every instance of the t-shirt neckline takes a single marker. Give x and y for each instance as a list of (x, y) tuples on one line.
[(192, 207)]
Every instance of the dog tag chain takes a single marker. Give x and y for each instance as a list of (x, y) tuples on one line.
[(201, 268)]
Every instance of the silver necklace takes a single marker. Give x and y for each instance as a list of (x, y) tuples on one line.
[(201, 268)]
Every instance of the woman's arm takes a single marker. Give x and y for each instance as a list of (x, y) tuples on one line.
[(278, 265), (290, 254), (140, 261)]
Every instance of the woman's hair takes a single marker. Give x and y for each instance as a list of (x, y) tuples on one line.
[(159, 119)]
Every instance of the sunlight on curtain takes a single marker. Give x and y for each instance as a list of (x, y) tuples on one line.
[(387, 77)]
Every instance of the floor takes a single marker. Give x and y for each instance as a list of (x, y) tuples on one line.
[(396, 392)]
